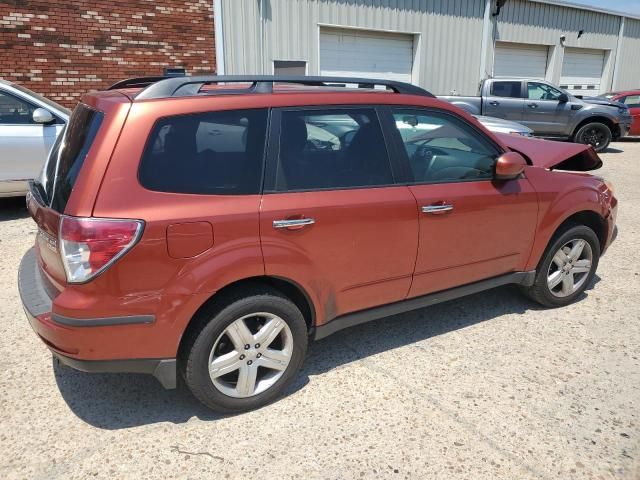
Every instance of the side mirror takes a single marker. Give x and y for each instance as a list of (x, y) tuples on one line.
[(509, 166), (563, 98), (42, 115)]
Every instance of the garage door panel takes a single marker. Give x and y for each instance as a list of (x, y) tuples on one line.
[(518, 60), (582, 71), (366, 54)]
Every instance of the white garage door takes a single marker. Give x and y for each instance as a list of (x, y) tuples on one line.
[(582, 71), (520, 60), (358, 53)]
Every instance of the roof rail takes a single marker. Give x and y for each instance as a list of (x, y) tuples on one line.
[(163, 87), (136, 82)]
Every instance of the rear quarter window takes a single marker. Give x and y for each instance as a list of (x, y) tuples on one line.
[(216, 153)]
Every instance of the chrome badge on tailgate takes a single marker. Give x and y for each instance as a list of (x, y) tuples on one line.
[(48, 240)]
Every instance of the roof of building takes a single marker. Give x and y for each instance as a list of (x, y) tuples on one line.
[(580, 6)]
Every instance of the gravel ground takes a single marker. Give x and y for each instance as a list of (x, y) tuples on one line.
[(490, 386)]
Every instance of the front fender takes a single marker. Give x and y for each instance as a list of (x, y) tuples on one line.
[(557, 205)]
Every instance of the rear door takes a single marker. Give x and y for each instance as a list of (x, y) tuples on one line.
[(504, 100), (543, 112), (331, 218), (471, 227)]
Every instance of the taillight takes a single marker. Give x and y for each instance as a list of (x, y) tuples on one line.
[(88, 246)]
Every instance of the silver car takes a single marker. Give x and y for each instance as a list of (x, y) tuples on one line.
[(29, 124), (500, 125)]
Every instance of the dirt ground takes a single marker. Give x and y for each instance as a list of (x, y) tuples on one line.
[(487, 387)]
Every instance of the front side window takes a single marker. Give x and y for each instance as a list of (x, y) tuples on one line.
[(632, 101), (331, 149), (506, 89), (218, 153), (14, 111), (542, 91), (442, 148)]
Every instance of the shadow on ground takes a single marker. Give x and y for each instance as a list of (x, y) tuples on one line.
[(13, 208), (114, 401)]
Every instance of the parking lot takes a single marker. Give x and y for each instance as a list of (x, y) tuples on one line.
[(490, 386)]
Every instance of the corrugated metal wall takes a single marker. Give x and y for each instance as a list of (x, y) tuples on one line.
[(523, 21), (628, 75), (448, 35)]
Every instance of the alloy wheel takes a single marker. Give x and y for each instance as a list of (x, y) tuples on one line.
[(594, 136), (570, 268), (250, 355)]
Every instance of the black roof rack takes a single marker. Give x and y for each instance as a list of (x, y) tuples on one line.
[(166, 87)]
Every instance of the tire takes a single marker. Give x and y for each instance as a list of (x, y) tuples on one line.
[(559, 296), (218, 336), (596, 134)]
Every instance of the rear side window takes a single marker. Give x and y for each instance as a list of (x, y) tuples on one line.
[(217, 153), (68, 154), (506, 89), (331, 149)]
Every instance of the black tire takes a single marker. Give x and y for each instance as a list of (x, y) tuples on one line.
[(540, 291), (210, 325), (596, 134)]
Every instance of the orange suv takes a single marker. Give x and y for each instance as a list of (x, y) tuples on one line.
[(210, 226)]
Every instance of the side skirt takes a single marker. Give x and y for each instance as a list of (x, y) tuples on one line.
[(363, 316)]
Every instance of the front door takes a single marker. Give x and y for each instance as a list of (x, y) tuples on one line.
[(471, 227), (331, 218), (633, 102), (24, 144), (543, 112)]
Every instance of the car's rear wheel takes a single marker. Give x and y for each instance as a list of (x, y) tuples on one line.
[(598, 135), (244, 354), (567, 267)]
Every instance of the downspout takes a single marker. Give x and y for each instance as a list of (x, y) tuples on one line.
[(484, 47), (616, 64), (219, 36)]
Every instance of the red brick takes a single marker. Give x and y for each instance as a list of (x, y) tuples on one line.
[(175, 30)]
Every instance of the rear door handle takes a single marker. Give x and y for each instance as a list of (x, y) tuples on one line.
[(533, 105), (437, 209), (293, 223), (494, 103)]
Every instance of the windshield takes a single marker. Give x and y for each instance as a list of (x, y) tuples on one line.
[(42, 99)]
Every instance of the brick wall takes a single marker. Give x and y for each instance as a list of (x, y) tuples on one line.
[(63, 49)]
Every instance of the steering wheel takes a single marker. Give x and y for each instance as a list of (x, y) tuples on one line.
[(425, 155)]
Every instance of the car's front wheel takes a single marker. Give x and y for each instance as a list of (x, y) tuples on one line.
[(596, 134), (243, 355), (567, 267)]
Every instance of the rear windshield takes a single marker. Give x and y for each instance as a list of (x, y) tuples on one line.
[(67, 156), (216, 153)]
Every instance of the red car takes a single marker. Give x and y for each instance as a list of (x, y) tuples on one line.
[(631, 98), (188, 226)]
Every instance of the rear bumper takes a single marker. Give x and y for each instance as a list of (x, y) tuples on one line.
[(72, 343)]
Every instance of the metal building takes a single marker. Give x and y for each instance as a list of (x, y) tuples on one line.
[(442, 45)]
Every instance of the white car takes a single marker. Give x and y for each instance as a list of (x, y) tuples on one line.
[(29, 125)]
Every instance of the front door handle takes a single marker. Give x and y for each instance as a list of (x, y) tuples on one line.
[(437, 209), (494, 103), (293, 223), (532, 105)]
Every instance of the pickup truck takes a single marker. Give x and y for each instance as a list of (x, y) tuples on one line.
[(548, 111)]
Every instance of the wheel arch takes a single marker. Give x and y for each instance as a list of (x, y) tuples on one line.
[(289, 288), (595, 119)]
